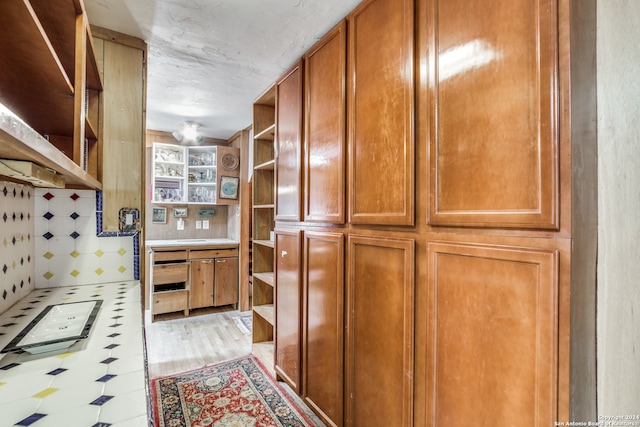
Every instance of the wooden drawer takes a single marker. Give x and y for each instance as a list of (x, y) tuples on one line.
[(213, 253), (170, 273), (169, 301), (159, 256)]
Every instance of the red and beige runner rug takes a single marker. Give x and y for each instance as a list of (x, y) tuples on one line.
[(231, 394)]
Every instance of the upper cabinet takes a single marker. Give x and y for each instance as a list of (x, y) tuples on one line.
[(199, 175), (122, 66), (50, 88), (288, 144), (380, 102), (493, 113), (325, 122)]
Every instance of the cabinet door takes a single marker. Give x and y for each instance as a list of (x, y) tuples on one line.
[(288, 174), (288, 299), (226, 276), (380, 100), (492, 335), (325, 144), (492, 116), (201, 284), (123, 131), (323, 325), (380, 342)]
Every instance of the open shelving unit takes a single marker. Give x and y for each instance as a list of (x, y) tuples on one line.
[(263, 226), (50, 98)]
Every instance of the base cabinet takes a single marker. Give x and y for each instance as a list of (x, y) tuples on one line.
[(214, 278), (189, 278), (169, 278), (201, 285), (323, 325), (288, 349), (226, 281)]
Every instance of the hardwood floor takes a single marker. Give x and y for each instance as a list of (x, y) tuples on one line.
[(209, 335), (177, 344)]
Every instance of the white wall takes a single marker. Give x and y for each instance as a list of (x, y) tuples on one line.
[(619, 207)]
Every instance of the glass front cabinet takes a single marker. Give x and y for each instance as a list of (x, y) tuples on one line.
[(191, 174)]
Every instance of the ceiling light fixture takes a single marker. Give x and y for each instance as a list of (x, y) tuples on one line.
[(188, 134)]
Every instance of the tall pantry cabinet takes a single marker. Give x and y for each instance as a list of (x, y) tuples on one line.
[(443, 265)]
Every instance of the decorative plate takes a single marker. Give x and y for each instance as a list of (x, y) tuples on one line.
[(230, 161)]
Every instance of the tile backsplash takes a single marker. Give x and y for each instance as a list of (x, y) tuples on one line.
[(17, 243), (68, 249), (51, 238)]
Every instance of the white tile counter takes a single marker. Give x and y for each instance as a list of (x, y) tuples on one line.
[(100, 381)]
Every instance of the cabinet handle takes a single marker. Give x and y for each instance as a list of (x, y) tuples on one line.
[(221, 260), (208, 261)]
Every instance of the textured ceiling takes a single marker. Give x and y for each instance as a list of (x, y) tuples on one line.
[(210, 59)]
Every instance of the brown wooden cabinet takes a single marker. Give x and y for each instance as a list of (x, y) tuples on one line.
[(493, 113), (498, 360), (471, 221), (201, 284), (380, 346), (288, 144), (226, 281), (214, 278), (323, 325), (380, 102), (288, 296), (169, 281), (122, 66), (325, 128)]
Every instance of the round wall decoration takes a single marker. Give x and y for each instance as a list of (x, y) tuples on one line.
[(230, 161)]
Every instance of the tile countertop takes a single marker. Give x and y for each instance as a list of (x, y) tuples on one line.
[(100, 381), (192, 243)]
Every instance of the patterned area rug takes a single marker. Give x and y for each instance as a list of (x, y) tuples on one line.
[(230, 394), (244, 323)]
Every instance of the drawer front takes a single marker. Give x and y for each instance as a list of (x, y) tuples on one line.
[(169, 256), (170, 301), (212, 253), (170, 273)]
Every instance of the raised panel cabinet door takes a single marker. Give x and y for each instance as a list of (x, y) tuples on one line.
[(226, 285), (380, 109), (288, 290), (325, 134), (323, 323), (493, 113), (288, 145), (201, 283), (492, 335), (380, 331)]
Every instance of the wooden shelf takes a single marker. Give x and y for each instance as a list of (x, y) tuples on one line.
[(267, 134), (20, 142), (267, 312), (40, 85), (48, 49), (263, 225), (268, 243), (269, 165), (266, 277)]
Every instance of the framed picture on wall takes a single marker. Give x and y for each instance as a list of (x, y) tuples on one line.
[(159, 216), (229, 187), (179, 212)]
